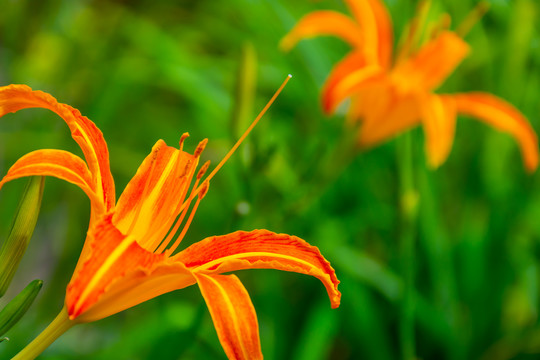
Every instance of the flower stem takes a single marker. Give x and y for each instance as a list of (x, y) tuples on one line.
[(409, 209), (56, 328)]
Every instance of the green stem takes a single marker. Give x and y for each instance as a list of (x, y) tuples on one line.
[(56, 328), (409, 210)]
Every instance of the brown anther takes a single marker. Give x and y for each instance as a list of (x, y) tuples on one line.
[(182, 138), (200, 148), (204, 189), (186, 169), (155, 153), (203, 169)]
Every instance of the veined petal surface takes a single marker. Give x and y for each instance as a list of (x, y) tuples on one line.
[(233, 315), (111, 256), (16, 97), (260, 249), (58, 163), (148, 206)]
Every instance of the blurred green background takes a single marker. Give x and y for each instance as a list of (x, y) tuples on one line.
[(149, 69)]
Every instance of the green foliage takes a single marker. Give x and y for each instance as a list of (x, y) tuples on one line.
[(145, 70)]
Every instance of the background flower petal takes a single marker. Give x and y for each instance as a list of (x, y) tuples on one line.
[(324, 22), (504, 117), (439, 120), (376, 30), (433, 63), (347, 77)]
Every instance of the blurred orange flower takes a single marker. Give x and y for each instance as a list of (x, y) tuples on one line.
[(390, 96), (128, 256)]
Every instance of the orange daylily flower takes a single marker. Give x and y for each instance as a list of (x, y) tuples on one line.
[(129, 253), (389, 97)]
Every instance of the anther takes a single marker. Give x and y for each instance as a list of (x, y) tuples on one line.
[(186, 169), (200, 148), (204, 189), (203, 169), (182, 138)]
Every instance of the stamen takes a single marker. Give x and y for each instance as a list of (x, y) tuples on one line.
[(182, 212), (203, 169), (200, 148), (246, 133), (204, 190), (201, 190), (182, 138), (186, 226), (472, 18)]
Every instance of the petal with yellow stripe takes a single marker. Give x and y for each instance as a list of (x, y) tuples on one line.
[(260, 249), (233, 315), (58, 163), (148, 205), (111, 255), (16, 97)]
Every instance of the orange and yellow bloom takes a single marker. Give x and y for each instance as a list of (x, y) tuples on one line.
[(390, 94), (129, 254)]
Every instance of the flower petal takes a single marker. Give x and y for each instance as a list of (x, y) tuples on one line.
[(137, 286), (376, 29), (324, 22), (260, 249), (111, 256), (386, 114), (347, 78), (16, 97), (58, 163), (504, 117), (433, 63), (233, 315), (148, 206), (439, 119)]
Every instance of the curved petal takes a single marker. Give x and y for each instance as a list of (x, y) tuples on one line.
[(502, 116), (439, 119), (324, 22), (16, 97), (347, 77), (433, 63), (376, 28), (111, 256), (149, 204), (260, 249), (233, 315), (58, 163)]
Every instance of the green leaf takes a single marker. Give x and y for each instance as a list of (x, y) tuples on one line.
[(21, 231), (17, 307)]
